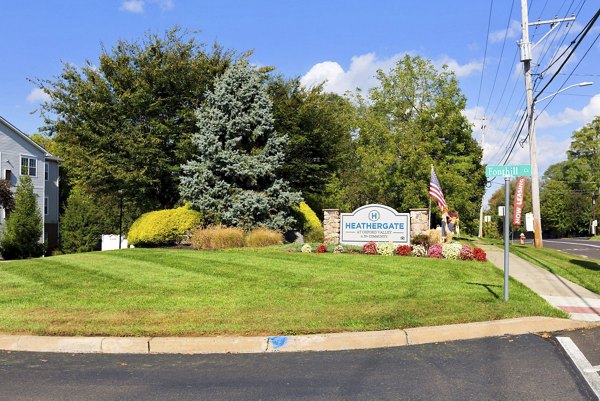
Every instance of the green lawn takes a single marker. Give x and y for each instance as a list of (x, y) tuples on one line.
[(249, 292), (582, 271)]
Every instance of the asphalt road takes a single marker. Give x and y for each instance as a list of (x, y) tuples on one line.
[(506, 368), (575, 246)]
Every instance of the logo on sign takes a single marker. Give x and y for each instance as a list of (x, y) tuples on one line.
[(374, 215)]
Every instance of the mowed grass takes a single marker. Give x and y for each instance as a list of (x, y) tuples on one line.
[(266, 291), (582, 271)]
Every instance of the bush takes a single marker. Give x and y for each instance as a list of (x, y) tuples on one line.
[(163, 227), (370, 248), (451, 251), (435, 237), (321, 249), (263, 237), (217, 238), (339, 249), (479, 254), (419, 251), (404, 250), (80, 224), (310, 225), (435, 251), (386, 248), (466, 252), (23, 229), (421, 239)]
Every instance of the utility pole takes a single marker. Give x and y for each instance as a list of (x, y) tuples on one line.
[(526, 48), (482, 150)]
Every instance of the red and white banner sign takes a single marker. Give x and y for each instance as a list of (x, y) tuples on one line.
[(519, 201)]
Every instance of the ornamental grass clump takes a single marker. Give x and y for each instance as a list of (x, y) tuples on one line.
[(419, 251), (403, 250), (479, 254), (306, 248), (217, 238), (386, 249), (466, 252), (435, 251), (370, 248), (263, 237), (451, 251), (321, 249)]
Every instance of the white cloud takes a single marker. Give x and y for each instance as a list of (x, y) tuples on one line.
[(37, 95), (363, 68), (460, 70), (165, 5), (513, 32), (571, 116), (133, 6)]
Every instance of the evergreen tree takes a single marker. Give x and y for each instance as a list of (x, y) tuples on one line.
[(23, 228), (80, 224), (234, 174)]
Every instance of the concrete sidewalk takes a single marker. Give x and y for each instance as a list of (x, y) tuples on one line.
[(580, 303)]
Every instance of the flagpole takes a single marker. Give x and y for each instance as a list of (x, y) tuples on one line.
[(429, 210)]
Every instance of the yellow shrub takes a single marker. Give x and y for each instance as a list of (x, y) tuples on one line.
[(312, 227), (163, 227), (217, 238), (263, 237)]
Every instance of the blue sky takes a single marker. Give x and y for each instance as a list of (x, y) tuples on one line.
[(343, 42)]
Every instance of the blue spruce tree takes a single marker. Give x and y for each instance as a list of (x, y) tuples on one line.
[(234, 174)]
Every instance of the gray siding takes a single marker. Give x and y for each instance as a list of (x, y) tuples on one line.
[(12, 147), (52, 192)]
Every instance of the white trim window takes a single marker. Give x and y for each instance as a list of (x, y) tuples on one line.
[(29, 166)]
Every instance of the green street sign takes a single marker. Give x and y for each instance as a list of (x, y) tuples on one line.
[(521, 170)]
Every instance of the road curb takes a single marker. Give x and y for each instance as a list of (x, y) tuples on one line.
[(313, 342)]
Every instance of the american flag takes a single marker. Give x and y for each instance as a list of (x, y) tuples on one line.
[(435, 190)]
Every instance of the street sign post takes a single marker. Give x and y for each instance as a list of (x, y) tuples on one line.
[(520, 170)]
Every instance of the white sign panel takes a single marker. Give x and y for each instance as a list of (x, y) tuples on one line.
[(377, 223), (529, 221)]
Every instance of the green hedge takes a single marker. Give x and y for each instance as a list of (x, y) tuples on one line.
[(163, 227)]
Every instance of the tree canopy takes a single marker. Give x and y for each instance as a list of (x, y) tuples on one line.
[(411, 120), (125, 122)]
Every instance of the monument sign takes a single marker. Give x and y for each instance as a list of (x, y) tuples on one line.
[(377, 223)]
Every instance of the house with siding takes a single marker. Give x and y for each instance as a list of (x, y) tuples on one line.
[(19, 156)]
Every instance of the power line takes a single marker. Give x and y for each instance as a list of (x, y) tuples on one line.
[(487, 39)]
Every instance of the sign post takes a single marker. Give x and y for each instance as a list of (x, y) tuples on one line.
[(507, 172)]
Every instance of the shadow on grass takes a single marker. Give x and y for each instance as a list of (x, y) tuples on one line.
[(586, 264), (488, 287)]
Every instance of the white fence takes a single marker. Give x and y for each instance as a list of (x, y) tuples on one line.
[(111, 241)]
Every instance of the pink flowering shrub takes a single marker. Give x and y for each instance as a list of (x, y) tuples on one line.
[(479, 254), (435, 251), (466, 252), (403, 250), (370, 248)]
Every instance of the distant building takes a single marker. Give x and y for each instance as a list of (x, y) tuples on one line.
[(19, 156)]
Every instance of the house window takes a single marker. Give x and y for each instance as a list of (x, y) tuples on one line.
[(28, 166), (45, 206), (46, 170)]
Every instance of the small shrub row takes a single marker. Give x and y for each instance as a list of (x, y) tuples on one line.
[(230, 237), (452, 250)]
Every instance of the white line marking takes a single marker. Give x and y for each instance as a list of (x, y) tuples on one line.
[(593, 369), (572, 243), (592, 378)]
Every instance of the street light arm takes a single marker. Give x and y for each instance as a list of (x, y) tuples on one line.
[(535, 100)]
